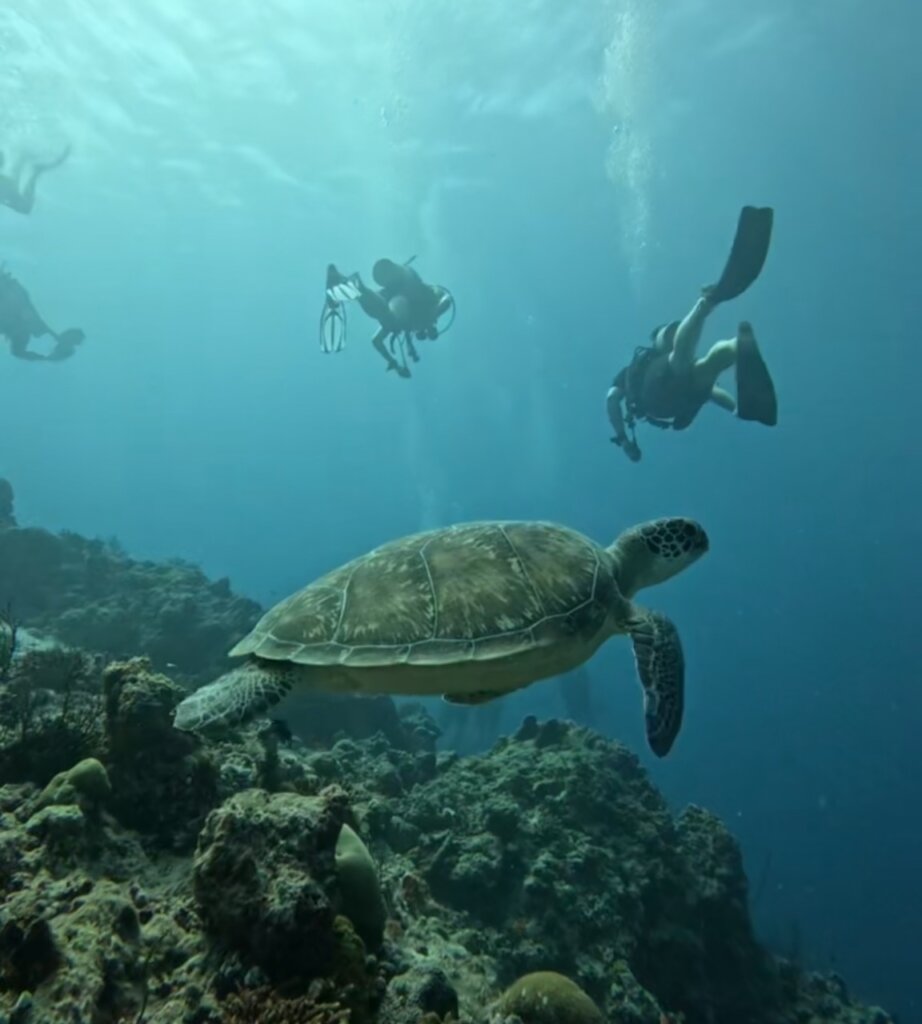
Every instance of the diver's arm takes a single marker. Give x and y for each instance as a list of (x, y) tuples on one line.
[(615, 416), (392, 364), (613, 401)]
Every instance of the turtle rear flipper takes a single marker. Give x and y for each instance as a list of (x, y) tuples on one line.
[(661, 667), (235, 698)]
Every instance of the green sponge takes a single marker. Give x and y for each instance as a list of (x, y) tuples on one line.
[(549, 998), (363, 903)]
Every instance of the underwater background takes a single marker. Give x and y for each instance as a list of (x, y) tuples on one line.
[(573, 173)]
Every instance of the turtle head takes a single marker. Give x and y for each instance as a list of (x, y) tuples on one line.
[(655, 551)]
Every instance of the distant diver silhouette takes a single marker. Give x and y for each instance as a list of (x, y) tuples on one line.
[(20, 323), (17, 189), (405, 307)]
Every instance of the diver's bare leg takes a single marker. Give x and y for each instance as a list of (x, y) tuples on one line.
[(687, 336), (26, 198), (19, 347), (9, 192), (721, 357), (723, 399)]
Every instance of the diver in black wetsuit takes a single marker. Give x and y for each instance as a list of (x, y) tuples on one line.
[(666, 383), (17, 189), (20, 322), (405, 307)]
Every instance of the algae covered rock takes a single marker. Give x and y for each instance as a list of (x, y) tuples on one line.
[(548, 998), (163, 782), (628, 1001), (50, 711), (263, 877), (556, 849), (86, 784), (68, 939), (89, 593), (550, 846), (704, 952), (417, 994)]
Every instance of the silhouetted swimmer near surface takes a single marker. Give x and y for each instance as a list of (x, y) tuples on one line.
[(20, 323), (666, 383), (18, 181), (406, 308)]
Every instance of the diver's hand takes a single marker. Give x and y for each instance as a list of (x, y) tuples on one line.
[(631, 448)]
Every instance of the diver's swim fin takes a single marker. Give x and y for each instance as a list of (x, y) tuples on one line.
[(747, 256), (332, 327), (65, 344), (755, 392), (341, 288)]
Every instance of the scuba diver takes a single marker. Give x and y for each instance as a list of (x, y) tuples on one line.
[(405, 307), (17, 189), (666, 384), (20, 322)]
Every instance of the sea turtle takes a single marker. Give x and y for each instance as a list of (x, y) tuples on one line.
[(472, 612)]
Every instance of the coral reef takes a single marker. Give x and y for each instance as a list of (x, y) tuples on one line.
[(263, 871), (9, 635), (322, 718), (163, 783), (357, 875), (49, 713), (551, 853), (88, 593), (266, 1007)]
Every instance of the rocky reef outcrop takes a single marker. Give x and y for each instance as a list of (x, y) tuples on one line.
[(90, 594)]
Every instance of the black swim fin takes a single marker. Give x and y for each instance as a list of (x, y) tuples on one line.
[(65, 344), (747, 256), (755, 391)]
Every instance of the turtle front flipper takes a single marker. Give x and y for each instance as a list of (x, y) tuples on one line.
[(236, 697), (661, 667)]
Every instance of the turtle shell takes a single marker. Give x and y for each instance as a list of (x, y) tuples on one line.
[(470, 592)]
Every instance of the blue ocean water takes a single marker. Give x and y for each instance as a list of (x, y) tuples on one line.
[(573, 173)]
